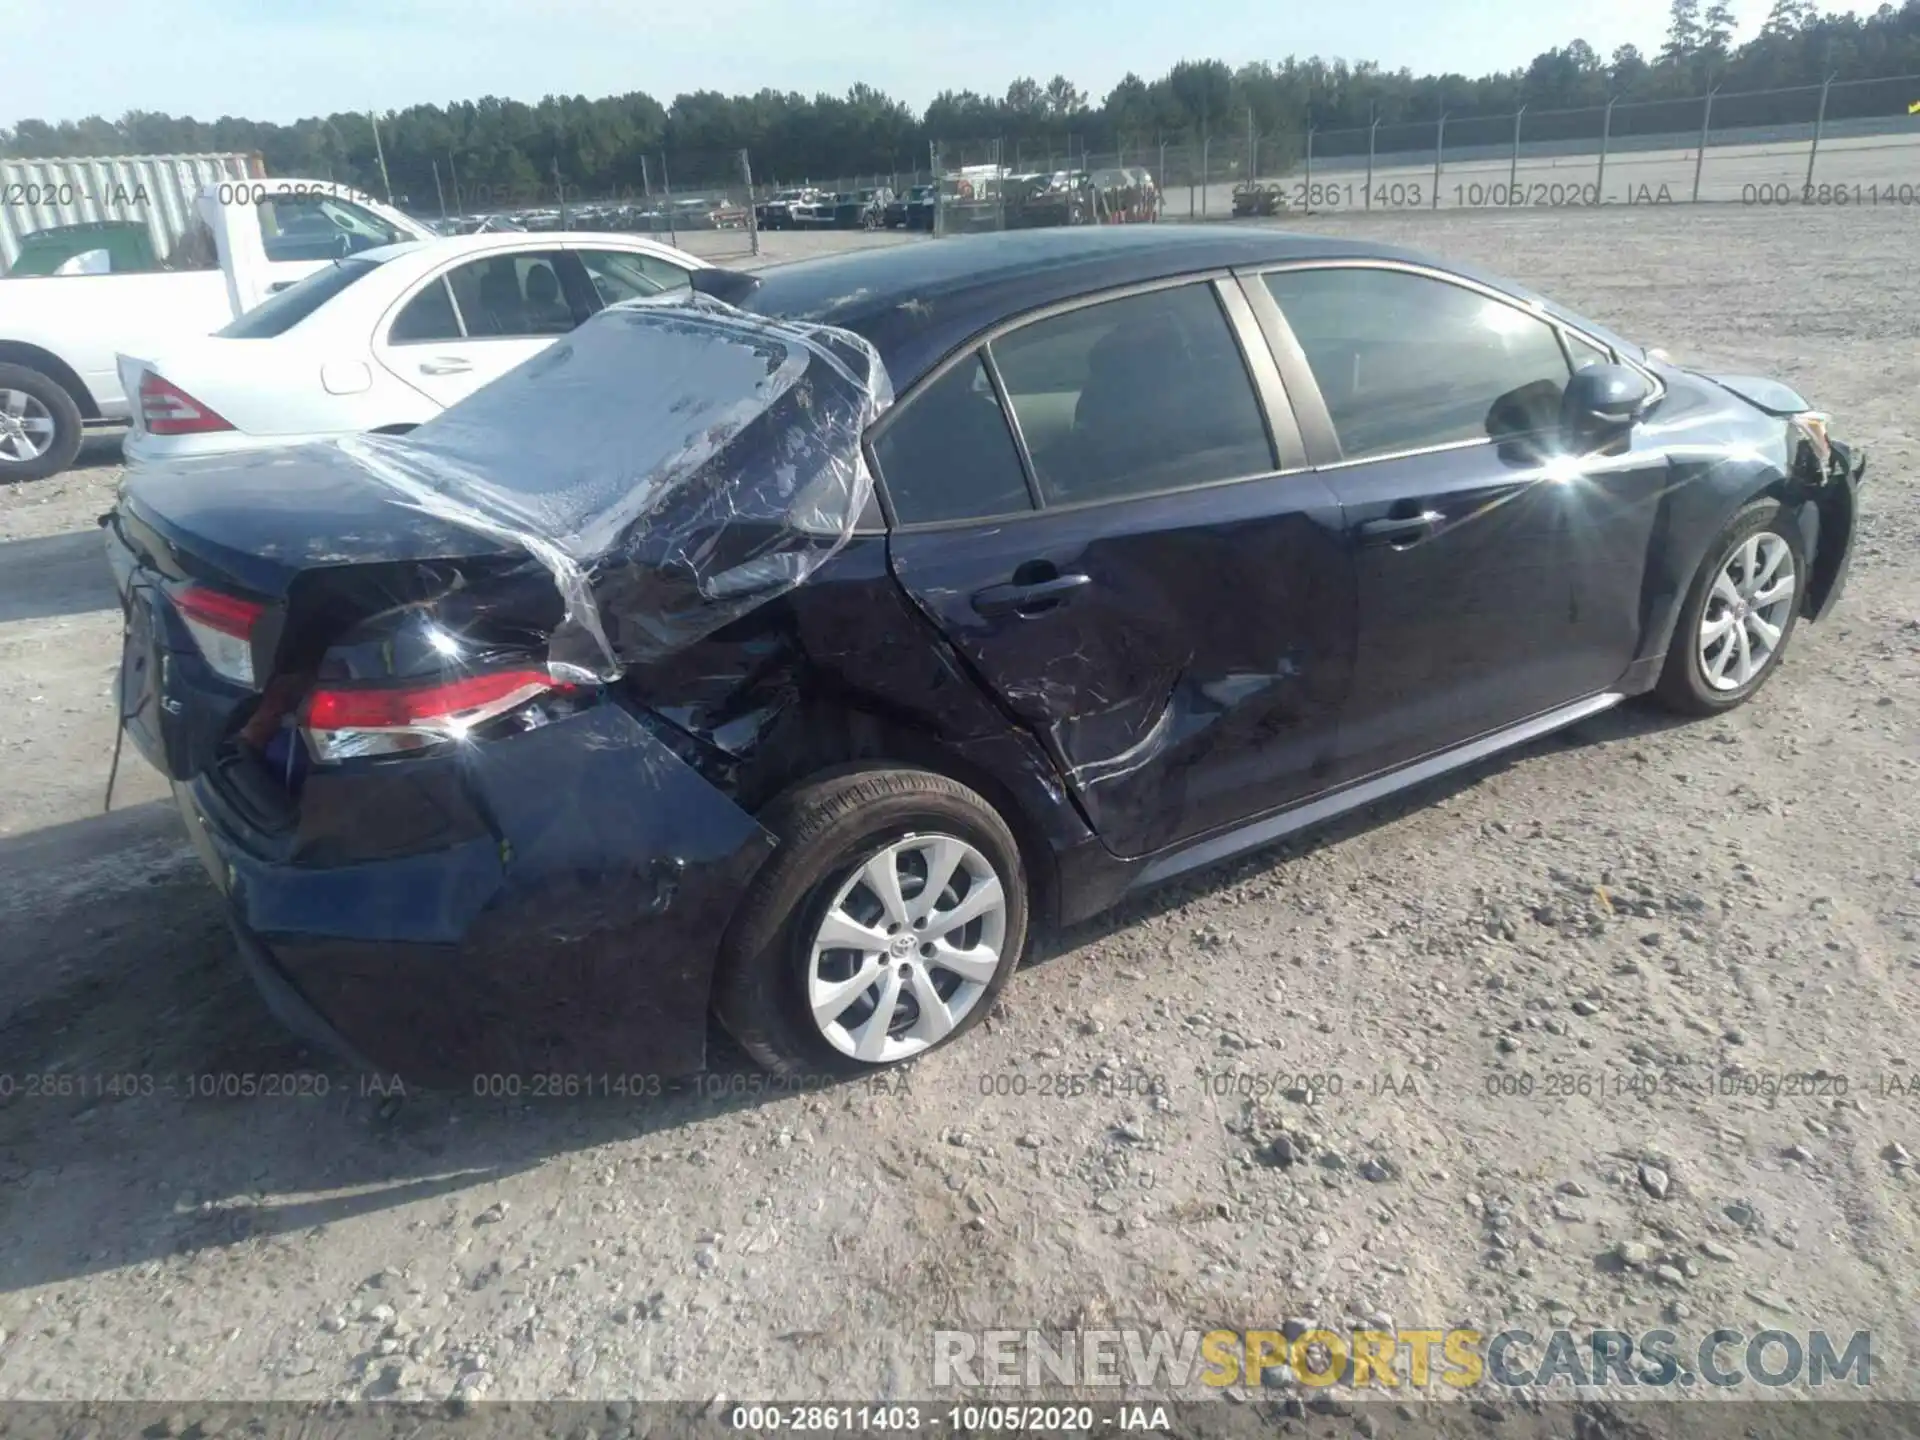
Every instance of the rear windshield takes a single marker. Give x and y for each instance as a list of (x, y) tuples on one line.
[(281, 311)]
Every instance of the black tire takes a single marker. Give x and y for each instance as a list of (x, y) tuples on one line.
[(67, 429), (828, 828), (1683, 685)]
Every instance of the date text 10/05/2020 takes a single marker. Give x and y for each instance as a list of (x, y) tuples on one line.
[(1474, 195)]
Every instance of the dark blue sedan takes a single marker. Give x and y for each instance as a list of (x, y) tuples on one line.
[(793, 650)]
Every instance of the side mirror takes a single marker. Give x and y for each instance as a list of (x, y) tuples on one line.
[(1600, 406)]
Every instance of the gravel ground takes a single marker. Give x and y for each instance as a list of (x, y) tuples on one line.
[(1714, 904)]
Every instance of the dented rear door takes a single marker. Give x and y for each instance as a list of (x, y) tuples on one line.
[(1170, 611), (1192, 679)]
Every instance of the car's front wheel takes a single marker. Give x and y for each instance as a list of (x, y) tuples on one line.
[(1739, 614), (889, 917)]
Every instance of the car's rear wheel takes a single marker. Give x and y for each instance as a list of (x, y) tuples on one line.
[(1739, 615), (40, 428), (887, 921)]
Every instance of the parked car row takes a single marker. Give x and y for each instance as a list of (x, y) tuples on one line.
[(809, 209), (653, 216), (527, 740), (987, 197), (1258, 198), (914, 209)]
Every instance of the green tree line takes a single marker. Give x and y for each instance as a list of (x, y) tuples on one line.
[(622, 143)]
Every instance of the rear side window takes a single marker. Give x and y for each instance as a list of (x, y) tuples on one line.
[(428, 318), (1405, 361), (620, 275), (284, 309), (948, 454), (1133, 396)]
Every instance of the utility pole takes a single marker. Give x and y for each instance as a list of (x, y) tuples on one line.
[(437, 190), (1819, 124), (381, 154), (1606, 139), (1513, 164)]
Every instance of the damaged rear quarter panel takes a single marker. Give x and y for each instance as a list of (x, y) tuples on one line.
[(846, 668), (578, 933)]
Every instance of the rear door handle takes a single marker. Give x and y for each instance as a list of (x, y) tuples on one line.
[(1403, 530), (445, 365), (1028, 599)]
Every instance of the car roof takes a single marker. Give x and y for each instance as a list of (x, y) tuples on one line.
[(919, 302)]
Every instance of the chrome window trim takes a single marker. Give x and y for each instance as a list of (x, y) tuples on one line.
[(1237, 324), (1252, 281), (399, 309), (445, 274)]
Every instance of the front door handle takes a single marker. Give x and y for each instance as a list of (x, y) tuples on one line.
[(1028, 599), (1398, 531), (445, 365)]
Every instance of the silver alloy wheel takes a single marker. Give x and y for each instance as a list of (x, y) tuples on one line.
[(1747, 611), (26, 427), (907, 948)]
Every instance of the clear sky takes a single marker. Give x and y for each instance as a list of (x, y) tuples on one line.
[(282, 59)]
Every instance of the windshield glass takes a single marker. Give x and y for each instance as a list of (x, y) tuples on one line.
[(280, 312)]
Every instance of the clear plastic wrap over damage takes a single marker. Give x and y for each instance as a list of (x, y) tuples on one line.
[(674, 463)]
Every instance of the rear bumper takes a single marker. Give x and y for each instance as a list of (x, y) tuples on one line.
[(570, 929)]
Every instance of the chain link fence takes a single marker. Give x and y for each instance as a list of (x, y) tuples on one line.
[(699, 201), (1844, 142)]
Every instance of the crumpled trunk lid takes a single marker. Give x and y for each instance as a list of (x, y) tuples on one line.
[(261, 519), (305, 535)]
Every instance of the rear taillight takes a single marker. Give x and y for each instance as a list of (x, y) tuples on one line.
[(222, 626), (166, 409), (345, 721)]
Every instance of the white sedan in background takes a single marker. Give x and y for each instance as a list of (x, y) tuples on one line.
[(383, 339)]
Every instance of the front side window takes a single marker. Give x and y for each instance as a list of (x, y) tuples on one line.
[(1132, 396), (948, 454), (1406, 362), (1585, 353), (319, 227)]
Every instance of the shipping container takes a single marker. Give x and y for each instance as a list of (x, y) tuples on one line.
[(133, 208)]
